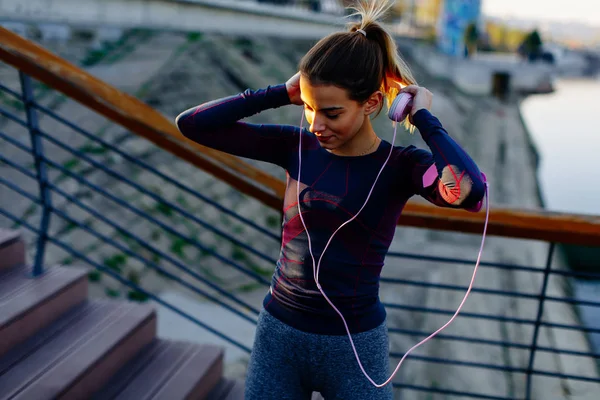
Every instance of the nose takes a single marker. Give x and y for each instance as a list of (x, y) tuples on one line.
[(317, 124)]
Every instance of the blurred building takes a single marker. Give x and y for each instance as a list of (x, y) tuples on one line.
[(419, 13), (427, 12), (455, 16), (445, 21)]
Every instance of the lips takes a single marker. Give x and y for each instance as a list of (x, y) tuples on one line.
[(323, 139)]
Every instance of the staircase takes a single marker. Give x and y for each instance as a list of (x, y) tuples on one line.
[(57, 344)]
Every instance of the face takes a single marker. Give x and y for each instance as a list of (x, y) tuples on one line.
[(334, 118)]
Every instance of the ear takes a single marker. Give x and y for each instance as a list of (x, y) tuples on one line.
[(373, 103)]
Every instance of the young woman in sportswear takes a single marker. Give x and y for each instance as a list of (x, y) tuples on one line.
[(301, 343)]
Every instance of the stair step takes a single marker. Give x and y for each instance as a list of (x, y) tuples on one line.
[(227, 389), (168, 370), (28, 304), (74, 356), (12, 249)]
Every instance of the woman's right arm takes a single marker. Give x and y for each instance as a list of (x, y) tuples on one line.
[(217, 125)]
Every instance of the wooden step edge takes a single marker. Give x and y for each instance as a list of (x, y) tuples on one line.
[(131, 370), (196, 377), (20, 292), (237, 391), (227, 389), (211, 377), (102, 352), (7, 236), (55, 359), (12, 249), (17, 282), (44, 313), (41, 339), (102, 371)]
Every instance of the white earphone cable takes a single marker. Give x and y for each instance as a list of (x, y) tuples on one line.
[(316, 266)]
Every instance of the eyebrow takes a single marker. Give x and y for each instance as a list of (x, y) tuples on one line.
[(335, 108)]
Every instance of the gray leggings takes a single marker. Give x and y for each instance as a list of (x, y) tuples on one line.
[(290, 364)]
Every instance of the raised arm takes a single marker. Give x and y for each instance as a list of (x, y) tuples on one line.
[(216, 124), (446, 176)]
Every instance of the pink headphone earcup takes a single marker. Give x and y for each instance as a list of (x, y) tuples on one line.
[(401, 107)]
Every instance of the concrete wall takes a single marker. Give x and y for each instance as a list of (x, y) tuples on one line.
[(475, 75), (225, 16)]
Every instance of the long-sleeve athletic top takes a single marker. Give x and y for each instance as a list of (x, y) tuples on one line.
[(332, 189)]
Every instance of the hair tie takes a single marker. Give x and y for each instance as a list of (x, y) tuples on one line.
[(362, 31)]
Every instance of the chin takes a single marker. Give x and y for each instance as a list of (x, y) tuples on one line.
[(332, 144)]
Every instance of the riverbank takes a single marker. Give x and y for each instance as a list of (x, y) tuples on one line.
[(532, 147), (565, 175)]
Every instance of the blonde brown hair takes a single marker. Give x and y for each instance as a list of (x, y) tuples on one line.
[(360, 63)]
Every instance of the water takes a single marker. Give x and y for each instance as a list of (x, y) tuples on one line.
[(565, 128)]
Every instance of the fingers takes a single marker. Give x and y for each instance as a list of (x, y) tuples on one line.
[(412, 89), (421, 98)]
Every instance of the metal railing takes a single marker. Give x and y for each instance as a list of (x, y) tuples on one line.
[(71, 188), (49, 189)]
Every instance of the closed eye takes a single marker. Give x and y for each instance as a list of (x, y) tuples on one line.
[(329, 111), (327, 114)]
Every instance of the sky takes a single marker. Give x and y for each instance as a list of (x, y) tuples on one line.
[(587, 11)]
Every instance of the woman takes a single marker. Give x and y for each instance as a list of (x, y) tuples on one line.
[(301, 342)]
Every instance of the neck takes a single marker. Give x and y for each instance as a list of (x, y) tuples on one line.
[(364, 142)]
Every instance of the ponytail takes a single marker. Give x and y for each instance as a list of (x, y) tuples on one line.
[(362, 60)]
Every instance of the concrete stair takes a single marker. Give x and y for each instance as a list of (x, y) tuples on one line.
[(57, 344)]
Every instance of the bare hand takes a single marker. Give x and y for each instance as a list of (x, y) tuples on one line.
[(422, 98), (293, 89)]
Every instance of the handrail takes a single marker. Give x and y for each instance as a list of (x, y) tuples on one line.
[(133, 114), (143, 120), (543, 225)]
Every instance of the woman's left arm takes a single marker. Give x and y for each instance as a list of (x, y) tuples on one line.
[(447, 176)]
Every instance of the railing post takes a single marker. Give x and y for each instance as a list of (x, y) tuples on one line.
[(40, 167), (538, 320)]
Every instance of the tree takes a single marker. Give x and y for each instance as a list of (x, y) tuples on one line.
[(531, 47), (471, 39)]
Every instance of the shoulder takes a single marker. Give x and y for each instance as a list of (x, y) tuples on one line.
[(297, 136), (309, 141)]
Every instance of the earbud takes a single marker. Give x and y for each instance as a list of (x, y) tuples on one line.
[(401, 107)]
